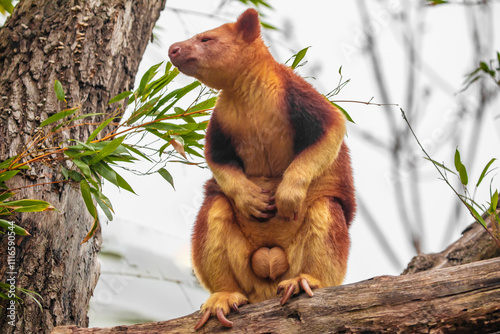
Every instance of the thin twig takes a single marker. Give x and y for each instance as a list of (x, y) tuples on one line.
[(36, 185), (151, 122), (367, 103), (479, 113), (445, 179)]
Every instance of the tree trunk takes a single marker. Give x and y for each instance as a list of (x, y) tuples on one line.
[(460, 299), (93, 48)]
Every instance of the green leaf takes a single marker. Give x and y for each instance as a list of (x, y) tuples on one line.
[(34, 208), (203, 105), (178, 94), (470, 82), (107, 150), (99, 129), (113, 159), (84, 168), (440, 165), (106, 172), (119, 97), (164, 127), (188, 119), (104, 209), (92, 230), (6, 163), (88, 115), (136, 151), (264, 3), (150, 73), (27, 205), (494, 203), (123, 184), (6, 6), (4, 196), (99, 195), (87, 197), (472, 202), (59, 91), (112, 176), (59, 115), (33, 295), (347, 116), (65, 172), (484, 172), (299, 56), (436, 2), (165, 80), (132, 99), (268, 26), (4, 176), (75, 176), (484, 67), (459, 166), (23, 202), (166, 175), (82, 146), (104, 203), (13, 227), (476, 215), (144, 110), (193, 152)]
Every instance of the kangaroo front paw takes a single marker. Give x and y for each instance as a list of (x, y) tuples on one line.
[(219, 304), (293, 286)]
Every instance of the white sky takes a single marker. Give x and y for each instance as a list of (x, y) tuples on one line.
[(160, 219)]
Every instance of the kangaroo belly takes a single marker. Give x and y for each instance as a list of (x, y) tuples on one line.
[(276, 231)]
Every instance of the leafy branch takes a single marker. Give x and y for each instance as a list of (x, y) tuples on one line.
[(154, 111), (488, 69), (298, 62), (466, 198)]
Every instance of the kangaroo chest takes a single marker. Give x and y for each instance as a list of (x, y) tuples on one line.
[(262, 137)]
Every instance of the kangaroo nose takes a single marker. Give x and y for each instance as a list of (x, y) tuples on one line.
[(174, 51)]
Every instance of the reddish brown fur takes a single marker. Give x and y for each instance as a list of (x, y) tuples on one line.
[(270, 130)]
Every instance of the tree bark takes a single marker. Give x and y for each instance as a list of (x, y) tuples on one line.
[(460, 299), (93, 48), (474, 245)]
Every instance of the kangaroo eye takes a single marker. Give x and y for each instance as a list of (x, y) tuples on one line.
[(206, 39)]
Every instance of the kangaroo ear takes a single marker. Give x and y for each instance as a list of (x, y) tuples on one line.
[(248, 25)]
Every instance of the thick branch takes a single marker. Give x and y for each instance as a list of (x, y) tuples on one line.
[(474, 245), (455, 299)]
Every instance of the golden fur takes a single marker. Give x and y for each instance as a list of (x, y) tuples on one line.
[(278, 210)]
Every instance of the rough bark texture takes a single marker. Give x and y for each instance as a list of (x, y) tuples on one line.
[(461, 299), (474, 245), (94, 48)]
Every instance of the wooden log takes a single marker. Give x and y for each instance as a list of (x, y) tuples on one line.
[(474, 245), (459, 299)]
